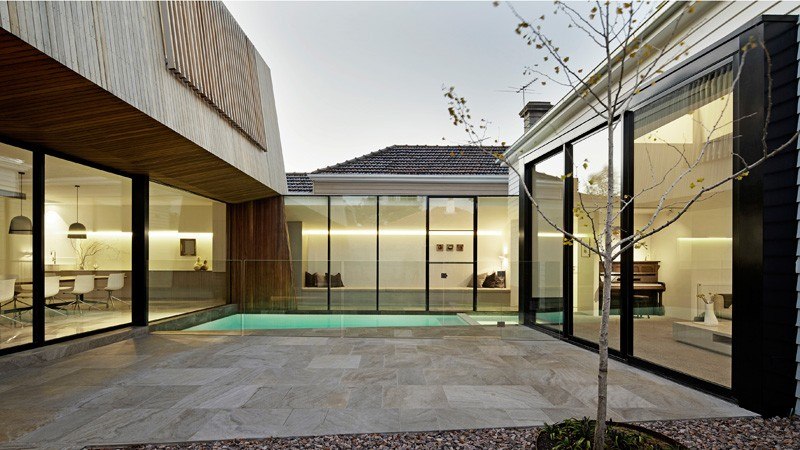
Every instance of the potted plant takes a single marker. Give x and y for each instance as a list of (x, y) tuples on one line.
[(579, 434)]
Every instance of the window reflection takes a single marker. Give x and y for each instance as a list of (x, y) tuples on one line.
[(402, 253), (187, 251), (307, 224), (495, 231), (590, 181), (547, 252), (451, 254), (87, 244), (689, 327), (353, 242), (16, 261)]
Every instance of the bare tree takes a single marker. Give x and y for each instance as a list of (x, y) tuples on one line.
[(629, 65), (87, 248)]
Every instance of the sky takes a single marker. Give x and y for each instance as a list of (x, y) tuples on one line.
[(354, 77)]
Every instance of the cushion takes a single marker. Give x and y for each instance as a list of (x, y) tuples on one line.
[(336, 280), (311, 280), (481, 278), (727, 300), (322, 280)]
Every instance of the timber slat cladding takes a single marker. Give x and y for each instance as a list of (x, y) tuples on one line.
[(205, 48), (43, 103)]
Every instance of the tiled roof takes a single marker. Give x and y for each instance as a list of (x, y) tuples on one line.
[(423, 160), (299, 182)]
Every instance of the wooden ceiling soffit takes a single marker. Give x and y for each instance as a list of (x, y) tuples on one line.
[(45, 104)]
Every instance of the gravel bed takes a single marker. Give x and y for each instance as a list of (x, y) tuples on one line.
[(717, 434), (740, 433)]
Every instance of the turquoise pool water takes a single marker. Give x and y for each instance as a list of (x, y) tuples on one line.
[(295, 321)]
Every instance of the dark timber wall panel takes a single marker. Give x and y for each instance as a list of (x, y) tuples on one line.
[(261, 275)]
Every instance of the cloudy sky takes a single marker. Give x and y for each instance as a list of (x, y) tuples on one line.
[(354, 77)]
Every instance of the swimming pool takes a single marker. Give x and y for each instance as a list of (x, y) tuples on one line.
[(297, 321)]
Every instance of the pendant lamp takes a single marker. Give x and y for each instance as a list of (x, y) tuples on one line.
[(76, 230), (20, 224)]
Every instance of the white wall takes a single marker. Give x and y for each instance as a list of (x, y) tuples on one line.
[(171, 223), (697, 249), (108, 225)]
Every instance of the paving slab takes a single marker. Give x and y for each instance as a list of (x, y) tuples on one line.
[(174, 387)]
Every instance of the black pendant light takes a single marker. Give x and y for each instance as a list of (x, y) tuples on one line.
[(20, 224), (77, 230)]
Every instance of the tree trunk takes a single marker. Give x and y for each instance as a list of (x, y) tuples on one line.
[(607, 256), (602, 372)]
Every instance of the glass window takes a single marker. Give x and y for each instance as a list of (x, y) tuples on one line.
[(547, 252), (451, 256), (307, 223), (683, 299), (16, 276), (402, 253), (87, 246), (187, 249), (590, 184), (494, 255), (353, 253)]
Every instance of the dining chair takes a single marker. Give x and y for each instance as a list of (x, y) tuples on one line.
[(116, 281), (52, 287), (83, 285), (8, 296)]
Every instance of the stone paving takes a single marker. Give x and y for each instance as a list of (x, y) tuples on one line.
[(177, 387)]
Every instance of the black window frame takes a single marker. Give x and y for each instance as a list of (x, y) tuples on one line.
[(762, 372)]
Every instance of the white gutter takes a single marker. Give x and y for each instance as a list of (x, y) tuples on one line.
[(651, 26), (371, 178)]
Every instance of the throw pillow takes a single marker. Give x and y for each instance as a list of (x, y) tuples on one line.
[(336, 280), (311, 280), (322, 280), (481, 278)]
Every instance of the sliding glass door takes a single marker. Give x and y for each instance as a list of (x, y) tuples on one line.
[(547, 255), (451, 254), (688, 326), (672, 292)]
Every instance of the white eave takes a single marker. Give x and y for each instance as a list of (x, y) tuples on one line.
[(553, 118), (395, 178)]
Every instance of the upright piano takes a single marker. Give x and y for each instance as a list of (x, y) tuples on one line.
[(647, 289)]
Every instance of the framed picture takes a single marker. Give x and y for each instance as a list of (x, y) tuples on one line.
[(188, 247), (459, 247), (439, 247), (449, 247)]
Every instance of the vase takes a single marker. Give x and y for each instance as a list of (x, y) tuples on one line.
[(710, 318)]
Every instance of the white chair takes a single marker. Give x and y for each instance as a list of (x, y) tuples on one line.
[(8, 296), (52, 287), (116, 281), (83, 285)]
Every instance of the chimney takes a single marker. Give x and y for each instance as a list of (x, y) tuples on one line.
[(534, 111)]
